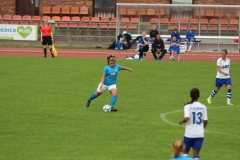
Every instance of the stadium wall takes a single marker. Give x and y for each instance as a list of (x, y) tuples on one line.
[(9, 6)]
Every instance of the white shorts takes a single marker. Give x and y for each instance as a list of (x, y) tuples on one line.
[(104, 87)]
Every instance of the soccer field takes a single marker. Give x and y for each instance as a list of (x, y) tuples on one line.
[(43, 113)]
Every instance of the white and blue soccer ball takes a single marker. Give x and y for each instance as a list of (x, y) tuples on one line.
[(136, 56), (106, 108)]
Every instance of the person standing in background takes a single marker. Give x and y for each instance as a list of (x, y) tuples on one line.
[(46, 37), (153, 32)]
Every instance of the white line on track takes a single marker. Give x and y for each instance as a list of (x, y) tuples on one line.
[(163, 117)]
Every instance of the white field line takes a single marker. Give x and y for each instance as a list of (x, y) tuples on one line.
[(163, 117)]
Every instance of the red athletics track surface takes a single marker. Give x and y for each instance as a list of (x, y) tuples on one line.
[(83, 53)]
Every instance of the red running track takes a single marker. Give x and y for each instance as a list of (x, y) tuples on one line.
[(83, 53)]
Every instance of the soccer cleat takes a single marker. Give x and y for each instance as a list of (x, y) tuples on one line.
[(113, 109), (209, 101), (229, 104), (88, 104), (52, 55)]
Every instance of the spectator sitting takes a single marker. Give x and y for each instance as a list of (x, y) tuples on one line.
[(124, 41), (158, 47), (189, 38), (143, 44), (153, 33), (174, 47), (176, 34)]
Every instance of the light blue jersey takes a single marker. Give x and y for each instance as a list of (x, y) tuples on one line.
[(181, 158), (111, 74)]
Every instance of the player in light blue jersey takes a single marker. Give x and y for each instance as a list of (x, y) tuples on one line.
[(223, 77), (178, 148), (108, 81), (196, 119)]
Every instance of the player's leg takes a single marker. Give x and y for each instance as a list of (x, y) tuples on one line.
[(228, 84), (196, 148), (113, 90), (96, 94), (172, 54), (188, 144), (218, 84), (145, 49), (140, 53), (191, 44), (50, 45), (154, 53), (162, 54), (177, 50), (185, 44), (44, 43), (175, 53)]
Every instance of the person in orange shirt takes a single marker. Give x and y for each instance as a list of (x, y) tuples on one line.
[(46, 37)]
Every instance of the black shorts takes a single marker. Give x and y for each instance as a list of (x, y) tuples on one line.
[(46, 40)]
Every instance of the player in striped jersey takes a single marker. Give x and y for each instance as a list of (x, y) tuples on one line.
[(223, 77)]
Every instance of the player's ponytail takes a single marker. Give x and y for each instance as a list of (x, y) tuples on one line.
[(111, 58), (194, 94), (178, 148)]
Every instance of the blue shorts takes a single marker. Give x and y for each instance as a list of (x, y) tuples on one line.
[(195, 143), (220, 82), (175, 49)]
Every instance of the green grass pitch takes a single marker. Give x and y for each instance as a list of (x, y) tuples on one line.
[(43, 114)]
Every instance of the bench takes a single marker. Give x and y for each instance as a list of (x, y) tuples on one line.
[(217, 40)]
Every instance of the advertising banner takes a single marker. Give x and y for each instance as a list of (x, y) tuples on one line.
[(18, 32)]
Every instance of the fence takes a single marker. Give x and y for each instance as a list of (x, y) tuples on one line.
[(215, 25)]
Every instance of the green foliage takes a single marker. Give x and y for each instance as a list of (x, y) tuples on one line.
[(43, 113)]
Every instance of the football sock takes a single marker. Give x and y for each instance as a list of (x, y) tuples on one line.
[(113, 101), (212, 94), (92, 97), (196, 158), (45, 52), (229, 94), (191, 44), (190, 47), (185, 45)]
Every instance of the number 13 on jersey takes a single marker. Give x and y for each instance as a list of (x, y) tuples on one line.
[(197, 117)]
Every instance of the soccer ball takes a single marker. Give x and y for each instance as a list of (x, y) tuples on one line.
[(106, 108), (136, 56)]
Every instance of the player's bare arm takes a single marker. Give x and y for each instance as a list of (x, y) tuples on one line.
[(205, 123), (125, 68), (185, 119), (221, 71)]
